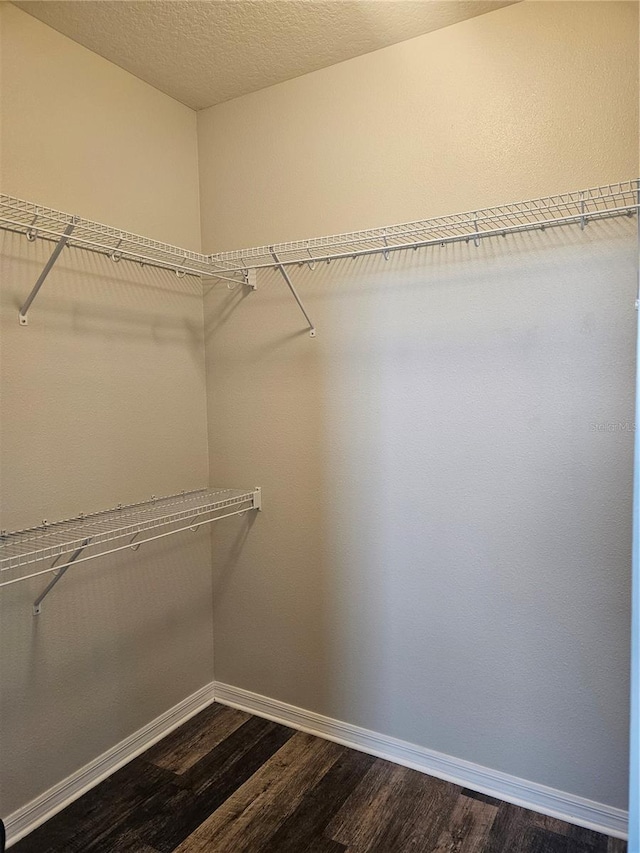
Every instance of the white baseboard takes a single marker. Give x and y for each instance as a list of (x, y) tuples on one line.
[(26, 819), (530, 795)]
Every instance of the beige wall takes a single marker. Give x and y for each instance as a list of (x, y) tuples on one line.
[(444, 551), (82, 135), (102, 401), (530, 100)]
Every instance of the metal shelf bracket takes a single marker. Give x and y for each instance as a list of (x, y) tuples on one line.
[(285, 275), (62, 242), (37, 604), (251, 278)]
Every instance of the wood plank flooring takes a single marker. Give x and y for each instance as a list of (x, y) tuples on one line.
[(229, 782)]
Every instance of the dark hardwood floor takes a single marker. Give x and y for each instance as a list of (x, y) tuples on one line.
[(228, 782)]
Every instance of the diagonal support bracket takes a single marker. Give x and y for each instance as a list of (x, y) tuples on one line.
[(37, 604), (62, 242), (285, 275)]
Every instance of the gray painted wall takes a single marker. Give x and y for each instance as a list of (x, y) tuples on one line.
[(102, 401), (444, 554), (444, 550)]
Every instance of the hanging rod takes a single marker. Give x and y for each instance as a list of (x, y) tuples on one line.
[(102, 533)]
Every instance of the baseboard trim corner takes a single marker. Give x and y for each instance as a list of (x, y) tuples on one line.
[(24, 820), (521, 792)]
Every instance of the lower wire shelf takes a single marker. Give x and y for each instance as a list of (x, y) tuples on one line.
[(87, 537)]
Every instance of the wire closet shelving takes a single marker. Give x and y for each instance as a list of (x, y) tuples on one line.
[(240, 267), (568, 208), (86, 537), (36, 221)]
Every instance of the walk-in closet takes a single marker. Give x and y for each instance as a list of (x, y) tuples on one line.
[(319, 486)]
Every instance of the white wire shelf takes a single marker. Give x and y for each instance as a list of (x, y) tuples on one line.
[(240, 266), (37, 221), (579, 207), (87, 537)]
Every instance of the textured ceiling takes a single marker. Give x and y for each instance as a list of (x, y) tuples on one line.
[(203, 52)]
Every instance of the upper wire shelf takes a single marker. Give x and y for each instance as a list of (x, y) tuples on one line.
[(37, 221), (240, 266), (572, 207), (104, 532)]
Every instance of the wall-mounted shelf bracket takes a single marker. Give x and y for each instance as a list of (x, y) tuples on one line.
[(251, 278), (37, 604), (62, 242), (285, 275)]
